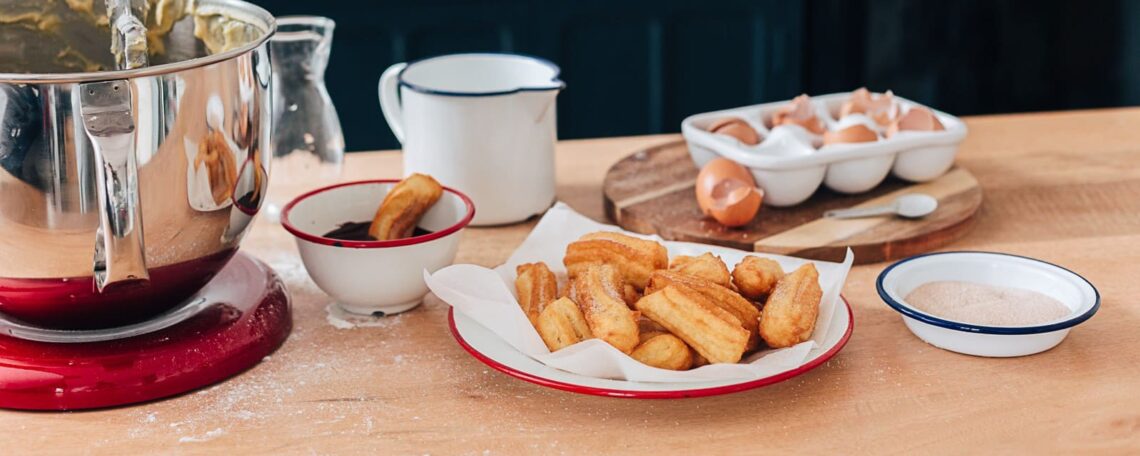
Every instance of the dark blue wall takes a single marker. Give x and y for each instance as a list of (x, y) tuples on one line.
[(640, 66)]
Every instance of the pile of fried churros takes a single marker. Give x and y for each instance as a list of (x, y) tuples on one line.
[(672, 315)]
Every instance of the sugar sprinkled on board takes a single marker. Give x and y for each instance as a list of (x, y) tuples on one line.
[(987, 305)]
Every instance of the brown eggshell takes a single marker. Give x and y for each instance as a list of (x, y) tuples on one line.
[(736, 128), (799, 112), (883, 109), (727, 192), (853, 134), (737, 206), (916, 119)]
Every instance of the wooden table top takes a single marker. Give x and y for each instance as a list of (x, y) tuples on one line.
[(1063, 187)]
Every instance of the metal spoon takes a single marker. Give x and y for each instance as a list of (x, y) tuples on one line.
[(911, 206)]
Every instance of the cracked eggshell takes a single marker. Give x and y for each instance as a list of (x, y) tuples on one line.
[(726, 191), (738, 129), (883, 108), (800, 111), (855, 133), (917, 118)]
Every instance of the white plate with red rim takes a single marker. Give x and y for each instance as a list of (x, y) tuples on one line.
[(493, 351)]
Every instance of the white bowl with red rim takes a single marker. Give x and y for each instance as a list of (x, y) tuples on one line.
[(373, 277)]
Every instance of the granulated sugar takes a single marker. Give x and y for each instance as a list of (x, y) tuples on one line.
[(986, 305)]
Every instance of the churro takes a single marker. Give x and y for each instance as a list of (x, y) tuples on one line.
[(630, 295), (722, 297), (561, 324), (789, 315), (536, 286), (713, 332), (597, 290), (706, 266), (664, 351), (403, 207), (635, 259), (647, 326), (755, 277)]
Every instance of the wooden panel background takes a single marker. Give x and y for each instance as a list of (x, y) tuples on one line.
[(640, 66)]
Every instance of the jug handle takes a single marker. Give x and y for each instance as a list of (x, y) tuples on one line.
[(108, 120), (389, 92)]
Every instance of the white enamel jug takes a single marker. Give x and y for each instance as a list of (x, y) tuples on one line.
[(484, 124)]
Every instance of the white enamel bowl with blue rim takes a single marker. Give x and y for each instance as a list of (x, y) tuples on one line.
[(996, 269)]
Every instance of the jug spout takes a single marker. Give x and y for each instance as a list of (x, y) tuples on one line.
[(539, 102)]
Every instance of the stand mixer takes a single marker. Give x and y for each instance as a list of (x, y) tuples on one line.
[(132, 163)]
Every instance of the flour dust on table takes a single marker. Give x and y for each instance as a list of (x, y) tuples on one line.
[(343, 319)]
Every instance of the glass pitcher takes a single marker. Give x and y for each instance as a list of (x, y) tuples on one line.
[(307, 138)]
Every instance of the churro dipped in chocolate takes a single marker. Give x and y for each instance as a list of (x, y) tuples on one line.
[(403, 207)]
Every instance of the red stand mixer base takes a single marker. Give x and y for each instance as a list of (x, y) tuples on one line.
[(251, 318)]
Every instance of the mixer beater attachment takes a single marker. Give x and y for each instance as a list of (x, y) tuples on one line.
[(128, 34)]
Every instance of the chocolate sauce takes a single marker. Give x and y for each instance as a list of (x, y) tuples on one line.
[(351, 231), (358, 231)]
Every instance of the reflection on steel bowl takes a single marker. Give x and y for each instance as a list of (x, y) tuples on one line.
[(123, 192)]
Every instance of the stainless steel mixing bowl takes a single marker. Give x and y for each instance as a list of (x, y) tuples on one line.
[(122, 192)]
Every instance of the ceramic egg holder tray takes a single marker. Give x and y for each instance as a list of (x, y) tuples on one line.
[(791, 163)]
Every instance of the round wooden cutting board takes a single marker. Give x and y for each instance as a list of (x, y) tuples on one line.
[(651, 192)]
